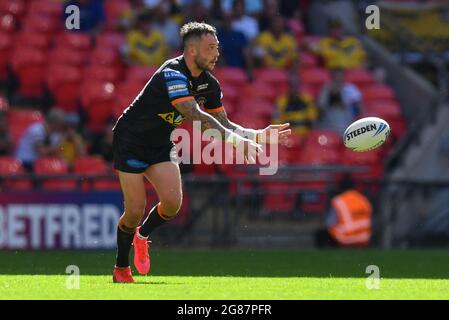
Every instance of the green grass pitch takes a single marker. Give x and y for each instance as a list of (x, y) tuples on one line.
[(231, 274)]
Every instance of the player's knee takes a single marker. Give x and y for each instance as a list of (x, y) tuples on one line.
[(171, 207), (135, 211)]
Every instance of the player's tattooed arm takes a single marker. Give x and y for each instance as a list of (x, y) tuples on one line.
[(191, 111), (222, 117)]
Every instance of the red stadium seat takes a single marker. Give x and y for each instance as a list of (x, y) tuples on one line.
[(384, 108), (315, 155), (278, 197), (4, 105), (359, 77), (325, 139), (41, 24), (26, 117), (10, 167), (372, 160), (125, 94), (314, 197), (63, 55), (112, 40), (52, 8), (6, 45), (74, 41), (102, 73), (64, 82), (259, 90), (203, 169), (30, 66), (230, 75), (273, 77), (98, 100), (51, 166), (140, 73), (249, 121), (105, 56), (15, 7), (297, 28), (294, 147), (230, 94), (114, 10), (253, 114), (307, 60), (20, 120), (311, 39), (32, 39), (314, 77), (92, 166), (377, 91), (8, 23)]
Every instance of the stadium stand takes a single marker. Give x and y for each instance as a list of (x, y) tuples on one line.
[(89, 73)]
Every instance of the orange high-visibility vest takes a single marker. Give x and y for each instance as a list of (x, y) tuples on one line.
[(354, 218)]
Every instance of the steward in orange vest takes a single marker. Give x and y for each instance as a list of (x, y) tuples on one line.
[(353, 219)]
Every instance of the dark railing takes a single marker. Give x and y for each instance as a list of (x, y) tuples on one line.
[(210, 196)]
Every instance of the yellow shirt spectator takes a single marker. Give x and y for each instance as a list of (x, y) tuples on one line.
[(343, 53), (300, 111), (280, 52), (147, 49)]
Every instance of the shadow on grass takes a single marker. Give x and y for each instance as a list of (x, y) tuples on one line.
[(393, 264)]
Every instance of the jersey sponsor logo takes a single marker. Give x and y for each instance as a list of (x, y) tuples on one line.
[(177, 93), (202, 86), (136, 163), (170, 118), (171, 74), (177, 88)]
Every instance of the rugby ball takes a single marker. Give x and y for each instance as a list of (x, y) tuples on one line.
[(366, 134)]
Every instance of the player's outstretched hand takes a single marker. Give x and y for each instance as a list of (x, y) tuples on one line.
[(251, 149), (280, 130), (247, 147)]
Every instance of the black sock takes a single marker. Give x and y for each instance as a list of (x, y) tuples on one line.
[(153, 221), (124, 241)]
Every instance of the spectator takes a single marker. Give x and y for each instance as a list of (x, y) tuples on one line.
[(233, 44), (290, 9), (146, 46), (217, 13), (92, 14), (340, 51), (72, 145), (197, 11), (5, 138), (270, 12), (296, 108), (339, 103), (242, 22), (167, 27), (41, 139), (277, 48), (129, 16)]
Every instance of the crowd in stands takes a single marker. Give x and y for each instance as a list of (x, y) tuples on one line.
[(271, 70), (417, 33)]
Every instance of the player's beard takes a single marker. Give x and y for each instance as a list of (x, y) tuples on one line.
[(204, 64)]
